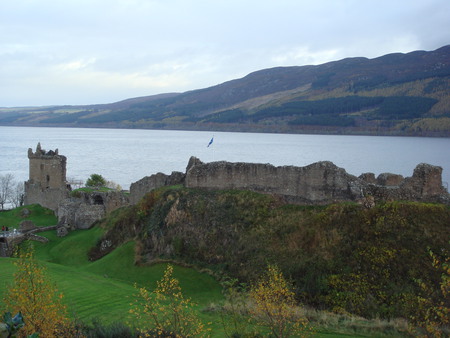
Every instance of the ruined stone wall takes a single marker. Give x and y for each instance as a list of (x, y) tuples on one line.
[(318, 183), (8, 244), (140, 188), (425, 185), (76, 214), (82, 211), (48, 198), (47, 184)]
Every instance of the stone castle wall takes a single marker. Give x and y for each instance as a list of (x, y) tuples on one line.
[(317, 183), (48, 198), (47, 184), (424, 185), (82, 211), (140, 188)]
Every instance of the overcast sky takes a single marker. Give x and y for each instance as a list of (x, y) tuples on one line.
[(55, 52)]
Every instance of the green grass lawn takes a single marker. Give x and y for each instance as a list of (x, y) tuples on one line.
[(104, 288), (40, 216)]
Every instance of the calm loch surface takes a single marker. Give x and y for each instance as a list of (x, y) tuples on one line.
[(127, 155)]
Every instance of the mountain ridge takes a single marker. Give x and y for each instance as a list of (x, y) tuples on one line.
[(394, 94)]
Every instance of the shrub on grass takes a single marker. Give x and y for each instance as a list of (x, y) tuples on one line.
[(432, 313), (166, 308), (234, 313), (96, 180), (99, 330), (275, 305), (37, 299)]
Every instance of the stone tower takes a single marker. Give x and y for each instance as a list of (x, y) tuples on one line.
[(47, 184)]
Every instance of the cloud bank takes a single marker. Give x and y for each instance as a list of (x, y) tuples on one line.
[(55, 52)]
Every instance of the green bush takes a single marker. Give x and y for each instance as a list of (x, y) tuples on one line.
[(96, 180)]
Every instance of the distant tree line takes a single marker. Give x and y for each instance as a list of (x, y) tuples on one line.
[(331, 111), (67, 117), (394, 107), (325, 112)]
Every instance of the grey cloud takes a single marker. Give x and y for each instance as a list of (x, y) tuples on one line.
[(98, 51)]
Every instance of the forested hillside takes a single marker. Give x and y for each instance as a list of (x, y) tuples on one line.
[(396, 94)]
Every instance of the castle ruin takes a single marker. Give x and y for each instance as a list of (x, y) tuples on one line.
[(48, 187), (47, 183), (318, 183)]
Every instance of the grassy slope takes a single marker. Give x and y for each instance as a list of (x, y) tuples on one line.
[(90, 295), (103, 289), (39, 215)]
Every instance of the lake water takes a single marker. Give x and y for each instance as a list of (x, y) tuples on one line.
[(127, 155)]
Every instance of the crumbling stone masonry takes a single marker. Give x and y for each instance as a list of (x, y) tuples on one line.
[(47, 184), (318, 183), (82, 211), (139, 188), (425, 185)]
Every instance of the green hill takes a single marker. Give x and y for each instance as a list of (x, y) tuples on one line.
[(103, 289), (396, 94), (341, 257), (344, 258)]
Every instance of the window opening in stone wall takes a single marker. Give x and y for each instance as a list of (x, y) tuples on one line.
[(98, 200)]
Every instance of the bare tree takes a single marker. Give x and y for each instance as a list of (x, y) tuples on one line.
[(6, 185), (17, 194)]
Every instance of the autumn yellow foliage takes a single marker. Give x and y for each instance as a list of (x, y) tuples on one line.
[(432, 317), (165, 311), (37, 299), (275, 306)]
